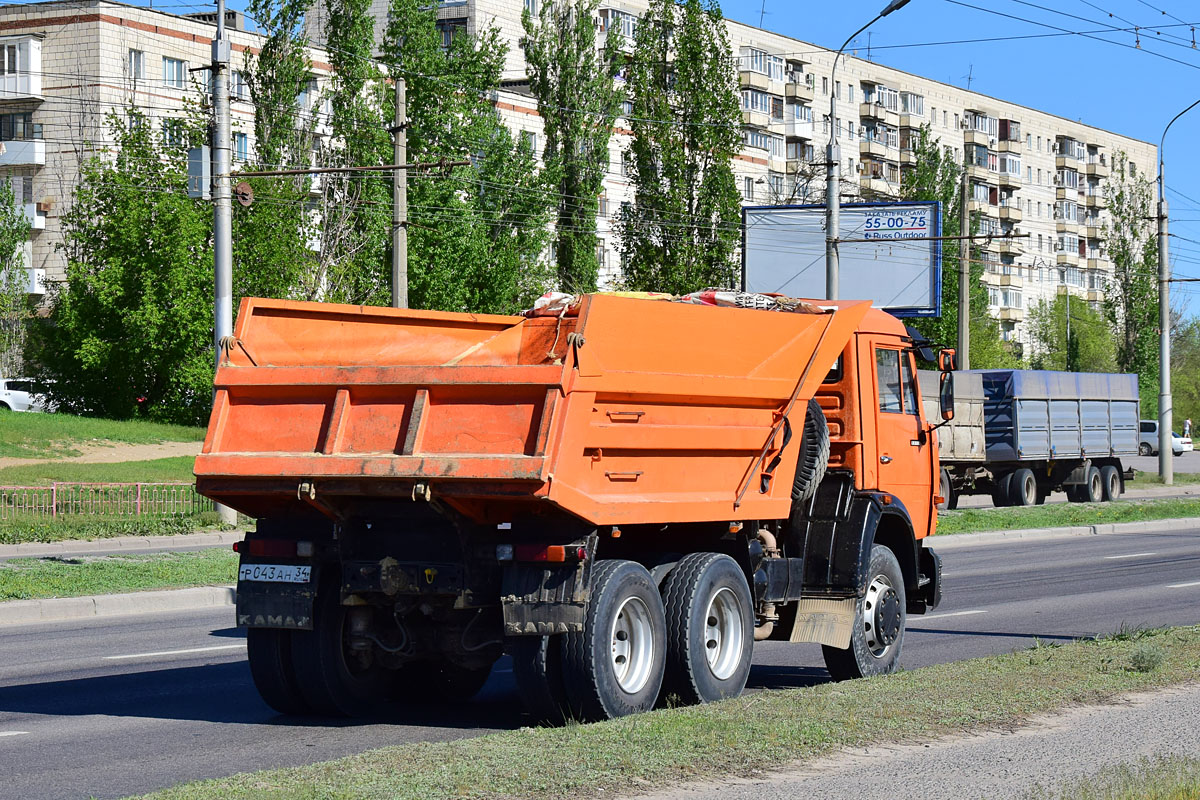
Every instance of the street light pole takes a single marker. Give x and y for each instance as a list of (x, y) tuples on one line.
[(833, 165), (222, 208), (1166, 464)]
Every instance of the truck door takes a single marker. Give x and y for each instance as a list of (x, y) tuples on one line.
[(905, 458)]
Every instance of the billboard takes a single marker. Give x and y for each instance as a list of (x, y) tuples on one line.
[(889, 257)]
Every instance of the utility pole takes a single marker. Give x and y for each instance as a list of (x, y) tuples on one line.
[(400, 199), (1068, 345), (222, 211), (964, 275)]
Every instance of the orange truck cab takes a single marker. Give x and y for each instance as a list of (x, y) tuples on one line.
[(624, 496)]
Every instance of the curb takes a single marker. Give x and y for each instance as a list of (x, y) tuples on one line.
[(953, 540), (58, 609), (119, 544)]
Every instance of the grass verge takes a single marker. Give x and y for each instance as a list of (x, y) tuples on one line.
[(766, 730), (1145, 478), (34, 578), (24, 529), (971, 520), (158, 470), (50, 435), (1172, 778)]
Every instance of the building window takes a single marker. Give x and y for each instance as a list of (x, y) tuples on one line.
[(137, 65), (238, 89), (837, 89), (241, 147), (174, 72), (529, 139), (824, 86), (912, 104), (762, 62), (10, 62), (850, 92), (531, 6), (602, 205), (174, 133), (944, 117), (748, 189), (19, 127)]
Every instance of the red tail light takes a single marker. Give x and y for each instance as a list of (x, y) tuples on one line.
[(272, 548)]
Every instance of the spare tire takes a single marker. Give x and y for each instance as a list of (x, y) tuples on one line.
[(814, 454)]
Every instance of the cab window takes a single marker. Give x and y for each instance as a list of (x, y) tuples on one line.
[(887, 371), (910, 386)]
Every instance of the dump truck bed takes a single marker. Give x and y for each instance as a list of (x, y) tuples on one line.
[(631, 411), (962, 438)]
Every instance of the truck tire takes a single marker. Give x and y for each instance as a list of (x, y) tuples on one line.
[(814, 454), (1023, 488), (710, 629), (333, 681), (614, 666), (1001, 490), (269, 651), (946, 490), (1093, 490), (537, 668), (1110, 477), (879, 620)]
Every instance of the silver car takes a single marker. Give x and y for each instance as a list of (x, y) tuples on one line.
[(21, 394)]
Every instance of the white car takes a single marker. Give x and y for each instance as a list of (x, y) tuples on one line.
[(21, 394), (1148, 445)]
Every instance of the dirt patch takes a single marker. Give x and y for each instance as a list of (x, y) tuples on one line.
[(113, 453)]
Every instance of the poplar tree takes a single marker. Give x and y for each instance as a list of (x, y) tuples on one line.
[(578, 101), (681, 233)]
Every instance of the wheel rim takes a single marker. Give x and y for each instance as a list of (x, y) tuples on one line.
[(1029, 490), (632, 640), (723, 633), (1114, 485), (1095, 486), (882, 616)]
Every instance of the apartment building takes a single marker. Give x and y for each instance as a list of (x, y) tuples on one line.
[(67, 66), (1030, 172)]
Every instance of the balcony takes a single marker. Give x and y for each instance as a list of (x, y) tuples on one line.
[(795, 165), (1097, 169), (908, 157), (1006, 146), (876, 148), (1097, 263), (1009, 179), (798, 129), (879, 112), (1095, 200), (799, 90), (1011, 211), (25, 83), (756, 119), (1067, 162), (1012, 280), (1011, 314), (35, 215), (982, 207), (35, 281), (1094, 231), (1067, 226), (1010, 247), (877, 186), (980, 173), (23, 153), (971, 136), (1067, 259), (911, 120), (749, 79), (1095, 295)]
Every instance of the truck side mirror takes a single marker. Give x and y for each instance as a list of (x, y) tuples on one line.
[(946, 396), (947, 360)]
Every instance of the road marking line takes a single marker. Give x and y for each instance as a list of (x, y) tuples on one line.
[(951, 614), (178, 652), (13, 733), (1183, 585), (1130, 555)]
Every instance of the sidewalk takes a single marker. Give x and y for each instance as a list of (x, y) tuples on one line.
[(121, 544), (1049, 751)]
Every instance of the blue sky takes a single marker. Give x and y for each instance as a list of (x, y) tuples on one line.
[(1105, 80)]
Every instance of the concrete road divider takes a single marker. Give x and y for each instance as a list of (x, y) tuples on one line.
[(26, 612)]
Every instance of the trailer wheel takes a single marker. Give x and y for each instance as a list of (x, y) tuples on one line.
[(814, 454), (879, 620), (334, 680), (1001, 490), (946, 490), (1093, 490), (537, 667), (710, 628), (614, 666), (269, 651), (1023, 488), (1110, 477)]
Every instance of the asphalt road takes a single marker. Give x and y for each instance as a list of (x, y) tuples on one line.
[(118, 706)]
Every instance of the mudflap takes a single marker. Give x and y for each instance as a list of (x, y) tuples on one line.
[(276, 605), (929, 592), (539, 599)]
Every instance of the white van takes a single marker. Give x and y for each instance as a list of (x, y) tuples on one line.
[(21, 394)]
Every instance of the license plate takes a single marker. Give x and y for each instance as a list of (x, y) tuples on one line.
[(275, 573)]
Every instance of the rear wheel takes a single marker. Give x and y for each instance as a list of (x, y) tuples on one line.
[(335, 679), (269, 651), (1023, 488), (1110, 477), (1093, 490), (710, 628), (1001, 491), (537, 668), (614, 666), (946, 490), (879, 620)]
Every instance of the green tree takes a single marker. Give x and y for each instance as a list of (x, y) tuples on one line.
[(935, 176), (578, 102), (682, 231), (14, 301), (1185, 372), (1068, 334), (134, 316), (1131, 294)]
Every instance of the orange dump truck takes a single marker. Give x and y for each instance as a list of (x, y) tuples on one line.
[(624, 497)]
